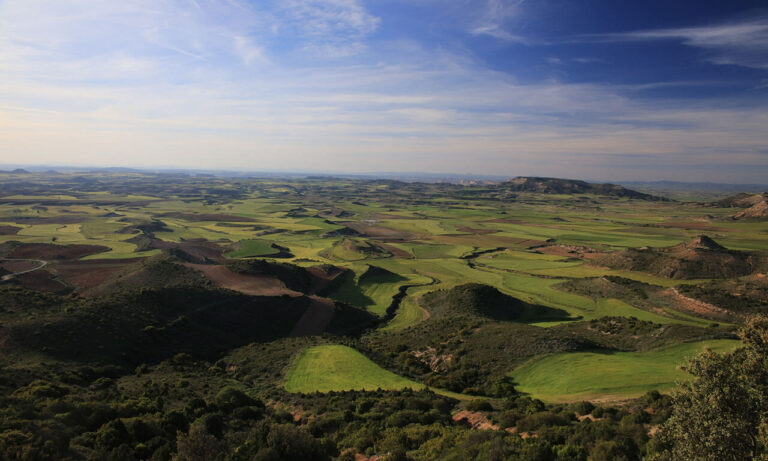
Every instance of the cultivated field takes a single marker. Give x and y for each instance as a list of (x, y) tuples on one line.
[(381, 247)]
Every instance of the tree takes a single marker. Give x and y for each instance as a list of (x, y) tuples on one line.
[(722, 413), (197, 445)]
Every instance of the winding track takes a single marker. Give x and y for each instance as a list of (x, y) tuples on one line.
[(7, 277), (402, 292)]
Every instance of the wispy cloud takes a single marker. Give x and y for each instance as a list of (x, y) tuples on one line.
[(332, 28), (740, 43), (107, 83), (494, 18)]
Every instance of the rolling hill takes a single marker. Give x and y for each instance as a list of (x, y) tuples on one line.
[(572, 186)]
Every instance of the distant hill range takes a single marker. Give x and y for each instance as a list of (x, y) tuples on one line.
[(754, 206), (572, 186)]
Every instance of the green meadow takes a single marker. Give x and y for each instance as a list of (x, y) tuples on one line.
[(340, 368), (608, 375)]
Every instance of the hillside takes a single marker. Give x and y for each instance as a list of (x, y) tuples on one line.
[(742, 200), (485, 301), (755, 206), (700, 258), (747, 295), (572, 186), (153, 324)]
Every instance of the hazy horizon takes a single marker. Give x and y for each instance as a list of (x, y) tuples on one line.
[(596, 91)]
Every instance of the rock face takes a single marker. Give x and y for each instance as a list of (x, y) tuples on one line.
[(571, 186), (755, 205), (756, 211), (742, 200), (702, 242)]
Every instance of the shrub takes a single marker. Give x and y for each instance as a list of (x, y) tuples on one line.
[(228, 399), (479, 405)]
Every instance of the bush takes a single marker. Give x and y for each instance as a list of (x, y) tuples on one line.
[(583, 408), (542, 419), (228, 399), (290, 442), (479, 405), (509, 418), (198, 445)]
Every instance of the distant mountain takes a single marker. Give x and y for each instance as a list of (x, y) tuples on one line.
[(572, 186), (695, 186)]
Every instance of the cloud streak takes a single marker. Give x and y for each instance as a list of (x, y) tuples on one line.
[(741, 43)]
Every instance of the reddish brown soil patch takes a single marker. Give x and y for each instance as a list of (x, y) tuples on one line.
[(396, 252), (87, 275), (49, 251), (196, 251), (316, 318), (472, 230), (683, 303), (19, 266), (390, 216), (69, 219), (378, 231), (254, 285), (694, 225), (476, 420), (9, 230), (506, 221), (40, 280), (208, 217), (324, 278), (489, 240), (436, 362), (571, 251)]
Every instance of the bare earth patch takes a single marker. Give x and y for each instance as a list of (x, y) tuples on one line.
[(316, 318), (49, 251), (686, 304), (249, 284), (9, 230), (476, 420), (89, 274)]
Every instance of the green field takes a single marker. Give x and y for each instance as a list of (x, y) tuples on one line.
[(252, 248), (437, 241), (608, 375), (340, 368)]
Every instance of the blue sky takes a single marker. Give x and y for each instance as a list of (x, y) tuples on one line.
[(610, 90)]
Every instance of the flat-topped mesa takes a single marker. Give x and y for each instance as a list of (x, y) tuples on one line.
[(573, 186)]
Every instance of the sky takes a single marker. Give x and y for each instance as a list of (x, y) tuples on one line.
[(592, 89)]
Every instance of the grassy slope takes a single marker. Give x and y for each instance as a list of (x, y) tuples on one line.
[(334, 367), (337, 368), (587, 375)]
